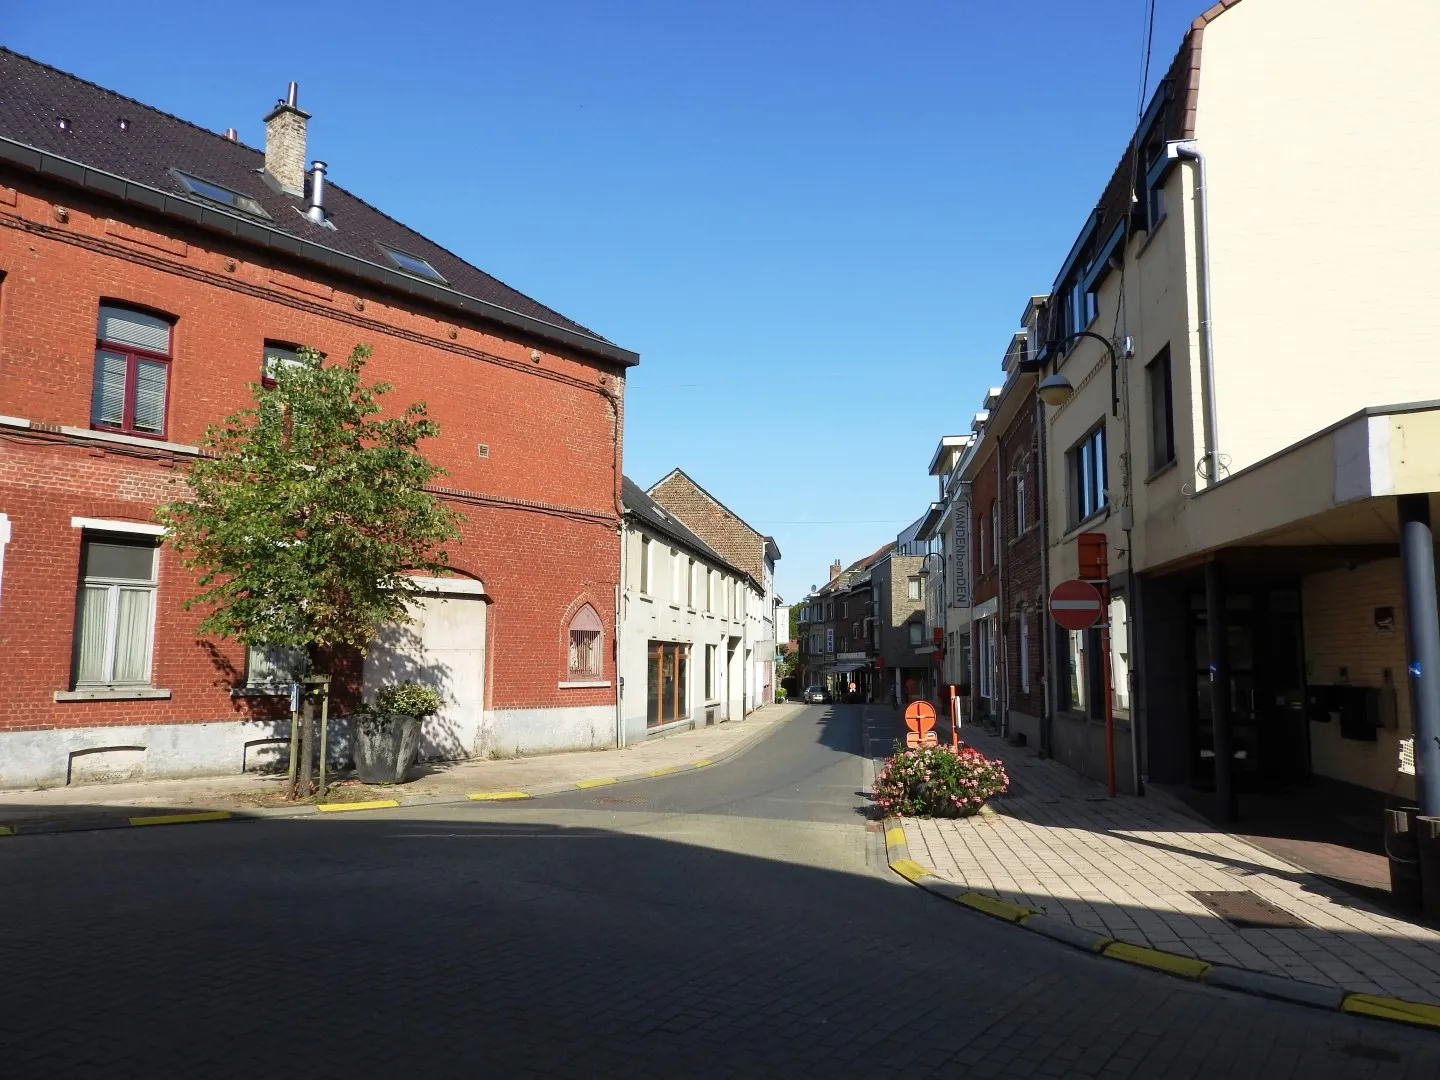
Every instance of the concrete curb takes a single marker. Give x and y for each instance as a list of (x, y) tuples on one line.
[(1259, 983), (159, 817)]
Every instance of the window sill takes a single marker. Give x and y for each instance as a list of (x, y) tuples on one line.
[(1080, 526), (674, 607), (111, 693), (260, 691), (646, 597), (1150, 233), (584, 684), (1162, 470)]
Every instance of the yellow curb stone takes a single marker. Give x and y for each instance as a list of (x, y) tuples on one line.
[(664, 770), (1409, 1012), (1185, 966), (910, 869), (600, 782), (497, 796), (894, 837), (1001, 909), (181, 819), (702, 763), (342, 807)]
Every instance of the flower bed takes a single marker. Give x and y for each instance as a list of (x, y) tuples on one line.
[(936, 781)]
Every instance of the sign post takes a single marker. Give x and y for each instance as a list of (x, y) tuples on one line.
[(920, 719), (1077, 606)]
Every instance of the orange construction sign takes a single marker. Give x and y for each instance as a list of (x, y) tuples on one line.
[(920, 719)]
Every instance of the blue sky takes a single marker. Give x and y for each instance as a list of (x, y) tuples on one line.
[(816, 220)]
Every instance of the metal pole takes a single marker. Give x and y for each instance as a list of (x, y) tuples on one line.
[(1219, 689), (1422, 643), (1106, 677), (294, 740), (324, 736)]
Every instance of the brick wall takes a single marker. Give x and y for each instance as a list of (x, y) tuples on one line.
[(741, 545), (540, 507), (1021, 590)]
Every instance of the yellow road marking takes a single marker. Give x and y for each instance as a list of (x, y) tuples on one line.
[(1410, 1012), (498, 796), (342, 807), (600, 782), (702, 763), (664, 770), (6, 830), (181, 819), (1186, 966)]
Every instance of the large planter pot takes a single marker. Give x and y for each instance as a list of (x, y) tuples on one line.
[(384, 747)]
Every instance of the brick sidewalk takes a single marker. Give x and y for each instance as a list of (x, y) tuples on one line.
[(440, 780), (1128, 867)]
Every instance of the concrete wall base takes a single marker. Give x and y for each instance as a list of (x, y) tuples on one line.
[(61, 756)]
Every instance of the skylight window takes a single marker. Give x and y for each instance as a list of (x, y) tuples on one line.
[(413, 264), (222, 195)]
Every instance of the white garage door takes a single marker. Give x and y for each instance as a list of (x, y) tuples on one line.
[(445, 648)]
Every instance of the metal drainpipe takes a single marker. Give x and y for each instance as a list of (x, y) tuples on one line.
[(1187, 151), (619, 641), (997, 534), (1047, 638)]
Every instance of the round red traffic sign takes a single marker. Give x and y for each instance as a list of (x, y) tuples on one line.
[(1075, 604)]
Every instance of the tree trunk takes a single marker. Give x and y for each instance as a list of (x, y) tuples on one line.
[(303, 784)]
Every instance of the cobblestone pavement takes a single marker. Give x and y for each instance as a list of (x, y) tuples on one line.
[(1130, 868), (708, 936)]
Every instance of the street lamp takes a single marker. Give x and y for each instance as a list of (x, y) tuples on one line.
[(1055, 390)]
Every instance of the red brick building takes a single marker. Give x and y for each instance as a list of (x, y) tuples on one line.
[(149, 271)]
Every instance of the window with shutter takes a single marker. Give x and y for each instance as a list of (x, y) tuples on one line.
[(132, 371)]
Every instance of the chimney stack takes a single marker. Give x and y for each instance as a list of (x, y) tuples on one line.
[(834, 569), (285, 144)]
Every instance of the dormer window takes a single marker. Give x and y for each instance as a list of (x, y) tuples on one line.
[(222, 196), (413, 264)]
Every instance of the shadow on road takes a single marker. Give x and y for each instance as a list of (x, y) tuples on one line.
[(450, 941)]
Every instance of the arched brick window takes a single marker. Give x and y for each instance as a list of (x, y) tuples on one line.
[(586, 660)]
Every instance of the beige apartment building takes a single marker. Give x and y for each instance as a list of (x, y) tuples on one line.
[(1255, 402)]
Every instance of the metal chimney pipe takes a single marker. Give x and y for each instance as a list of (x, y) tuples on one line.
[(232, 135), (316, 213), (293, 95)]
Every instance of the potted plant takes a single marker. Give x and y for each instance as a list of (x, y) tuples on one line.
[(937, 781), (387, 732)]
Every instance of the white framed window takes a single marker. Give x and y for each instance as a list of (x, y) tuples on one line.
[(274, 667), (115, 621), (709, 672), (276, 356), (912, 588), (645, 557), (1021, 507), (917, 634), (675, 593), (980, 544), (1024, 651), (690, 584), (709, 589), (985, 656), (1088, 495)]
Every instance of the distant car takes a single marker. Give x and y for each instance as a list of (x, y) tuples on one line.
[(816, 695)]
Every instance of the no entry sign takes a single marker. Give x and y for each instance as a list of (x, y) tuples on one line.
[(1075, 604)]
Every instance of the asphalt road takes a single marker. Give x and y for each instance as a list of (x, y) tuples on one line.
[(726, 923)]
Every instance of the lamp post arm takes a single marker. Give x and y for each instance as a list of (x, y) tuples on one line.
[(1114, 361)]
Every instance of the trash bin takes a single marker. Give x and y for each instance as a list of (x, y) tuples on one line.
[(1402, 852)]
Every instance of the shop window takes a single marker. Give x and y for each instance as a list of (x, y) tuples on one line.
[(274, 667), (585, 659), (115, 621), (132, 372), (667, 691)]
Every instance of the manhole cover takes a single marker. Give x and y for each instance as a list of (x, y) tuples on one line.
[(1245, 908), (621, 800)]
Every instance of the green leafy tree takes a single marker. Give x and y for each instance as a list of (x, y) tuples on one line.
[(307, 510)]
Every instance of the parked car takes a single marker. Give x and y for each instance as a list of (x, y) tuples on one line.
[(817, 695)]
